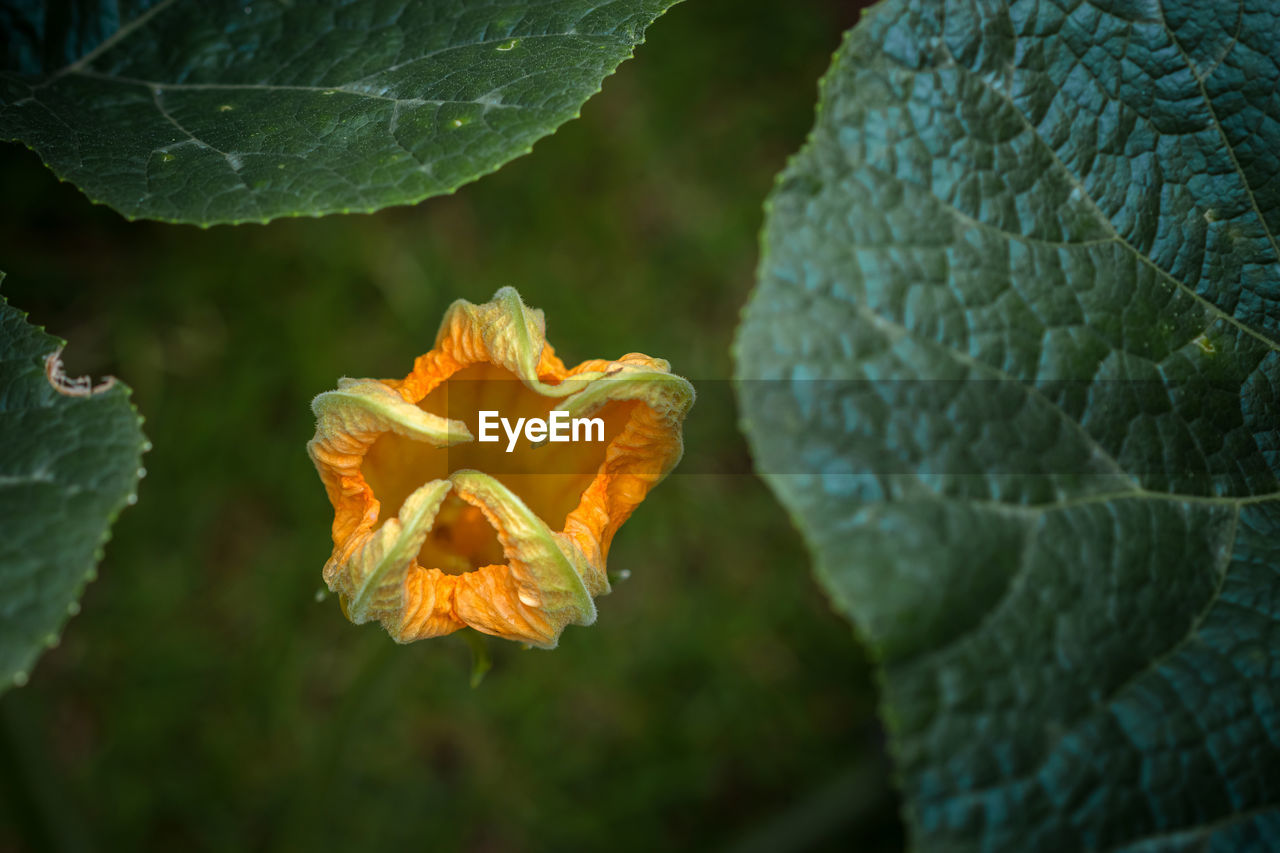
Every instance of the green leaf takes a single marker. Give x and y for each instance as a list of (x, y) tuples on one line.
[(69, 462), (212, 112), (1012, 366)]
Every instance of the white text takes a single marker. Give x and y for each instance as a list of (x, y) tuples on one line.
[(557, 427)]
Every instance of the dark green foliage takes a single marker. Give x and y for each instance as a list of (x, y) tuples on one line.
[(1012, 365), (68, 463), (228, 111)]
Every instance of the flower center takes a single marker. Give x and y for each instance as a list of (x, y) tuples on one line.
[(461, 540), (550, 478)]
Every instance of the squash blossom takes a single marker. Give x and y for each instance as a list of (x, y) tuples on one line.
[(438, 524)]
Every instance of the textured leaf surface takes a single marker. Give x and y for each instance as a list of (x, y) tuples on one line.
[(223, 111), (68, 464), (1012, 365)]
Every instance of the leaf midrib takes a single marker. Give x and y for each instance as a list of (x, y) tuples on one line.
[(272, 87)]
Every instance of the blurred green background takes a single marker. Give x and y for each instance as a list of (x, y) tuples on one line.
[(205, 700)]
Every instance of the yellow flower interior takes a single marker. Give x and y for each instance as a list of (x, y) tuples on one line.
[(549, 478)]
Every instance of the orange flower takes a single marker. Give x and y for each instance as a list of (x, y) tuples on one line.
[(439, 525)]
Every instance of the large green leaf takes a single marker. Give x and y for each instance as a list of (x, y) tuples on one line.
[(211, 111), (1012, 365), (69, 461)]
